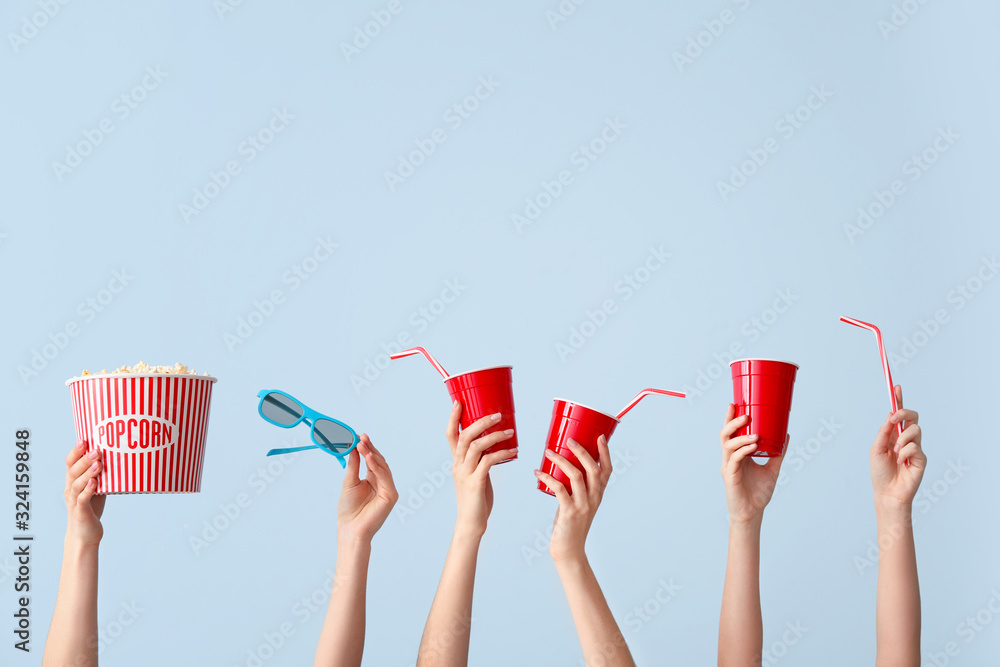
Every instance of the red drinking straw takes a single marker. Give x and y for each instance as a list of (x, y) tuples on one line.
[(644, 393), (885, 366), (420, 350)]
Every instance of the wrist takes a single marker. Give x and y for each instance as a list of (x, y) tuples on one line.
[(81, 542), (572, 561), (465, 536), (893, 509), (746, 524), (352, 542)]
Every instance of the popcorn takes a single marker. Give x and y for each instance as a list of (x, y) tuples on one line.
[(143, 367)]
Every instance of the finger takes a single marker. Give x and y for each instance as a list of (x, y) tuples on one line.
[(474, 430), (907, 416), (372, 468), (774, 463), (910, 434), (736, 460), (899, 395), (577, 483), (81, 465), (910, 451), (732, 426), (592, 471), (79, 449), (881, 444), (733, 444), (489, 460), (374, 450), (451, 433), (479, 446), (351, 477), (80, 482), (88, 492), (604, 459), (555, 486)]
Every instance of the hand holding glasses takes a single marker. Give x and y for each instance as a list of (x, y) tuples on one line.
[(331, 435)]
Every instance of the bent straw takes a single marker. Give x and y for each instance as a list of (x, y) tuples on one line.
[(885, 367), (420, 350), (644, 393)]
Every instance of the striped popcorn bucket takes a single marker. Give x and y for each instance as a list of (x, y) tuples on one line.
[(151, 427)]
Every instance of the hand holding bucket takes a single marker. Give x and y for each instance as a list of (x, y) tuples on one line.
[(584, 425), (481, 392)]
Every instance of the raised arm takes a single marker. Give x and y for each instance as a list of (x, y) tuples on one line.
[(445, 642), (749, 487), (600, 638), (72, 639), (897, 607), (363, 508)]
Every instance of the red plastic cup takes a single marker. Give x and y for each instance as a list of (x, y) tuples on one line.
[(581, 423), (484, 392), (151, 428), (762, 388)]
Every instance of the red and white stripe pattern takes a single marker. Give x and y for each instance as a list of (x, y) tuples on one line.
[(151, 429)]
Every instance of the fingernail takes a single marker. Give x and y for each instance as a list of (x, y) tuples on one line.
[(454, 405), (513, 450), (753, 436), (495, 417), (80, 445), (92, 455), (95, 466), (509, 431)]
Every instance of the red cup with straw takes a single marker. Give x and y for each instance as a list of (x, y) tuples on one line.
[(885, 365), (762, 389), (584, 425), (481, 392)]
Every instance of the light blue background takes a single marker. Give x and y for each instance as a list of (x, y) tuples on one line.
[(323, 176)]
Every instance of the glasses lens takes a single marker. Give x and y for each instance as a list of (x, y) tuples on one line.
[(333, 436), (280, 409)]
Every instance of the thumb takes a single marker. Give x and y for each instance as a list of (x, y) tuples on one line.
[(351, 478), (773, 464)]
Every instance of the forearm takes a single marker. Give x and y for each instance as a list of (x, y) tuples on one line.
[(342, 640), (897, 608), (741, 629), (72, 639), (445, 642), (600, 638)]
